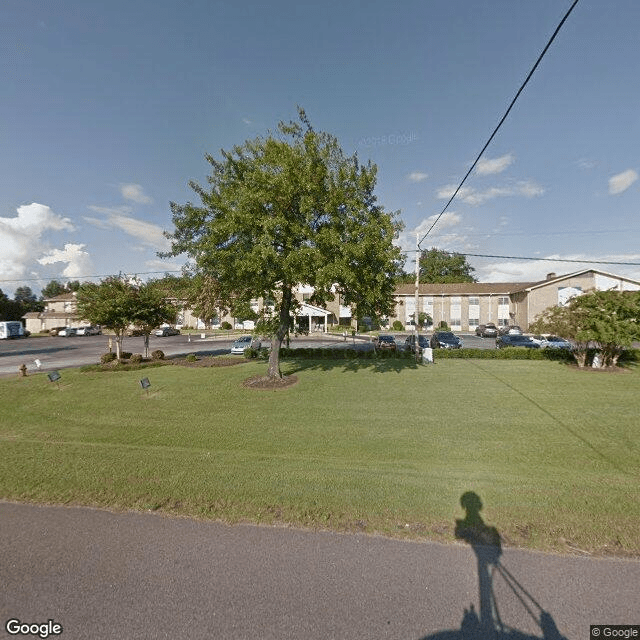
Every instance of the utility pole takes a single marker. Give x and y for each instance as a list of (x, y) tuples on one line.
[(416, 315)]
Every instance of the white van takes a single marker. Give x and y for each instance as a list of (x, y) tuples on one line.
[(11, 329)]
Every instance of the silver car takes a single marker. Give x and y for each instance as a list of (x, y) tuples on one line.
[(243, 343)]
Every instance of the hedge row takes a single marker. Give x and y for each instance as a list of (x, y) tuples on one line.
[(512, 353)]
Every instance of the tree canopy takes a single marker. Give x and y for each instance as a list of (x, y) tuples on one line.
[(118, 304), (443, 266), (606, 320), (286, 209)]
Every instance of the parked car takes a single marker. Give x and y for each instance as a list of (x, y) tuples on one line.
[(386, 342), (410, 343), (54, 330), (488, 330), (244, 342), (166, 331), (515, 341), (510, 330), (552, 342), (67, 332), (445, 340), (88, 330)]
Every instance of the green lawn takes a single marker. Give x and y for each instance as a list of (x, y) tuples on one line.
[(378, 446)]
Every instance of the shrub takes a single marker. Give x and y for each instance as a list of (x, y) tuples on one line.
[(136, 358), (125, 355), (263, 354), (157, 355), (250, 352), (225, 325), (443, 326), (191, 358), (105, 358), (397, 325)]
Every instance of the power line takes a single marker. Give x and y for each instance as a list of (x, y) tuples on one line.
[(504, 117), (71, 278), (484, 255)]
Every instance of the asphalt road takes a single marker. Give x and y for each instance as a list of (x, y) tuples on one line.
[(104, 575)]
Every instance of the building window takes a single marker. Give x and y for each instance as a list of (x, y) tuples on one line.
[(503, 322), (474, 322), (503, 300), (474, 300)]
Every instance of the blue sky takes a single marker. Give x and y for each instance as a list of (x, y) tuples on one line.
[(107, 110)]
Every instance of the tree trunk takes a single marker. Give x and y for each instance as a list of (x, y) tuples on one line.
[(277, 340)]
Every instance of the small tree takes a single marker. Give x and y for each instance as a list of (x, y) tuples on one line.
[(109, 304), (606, 320), (150, 309)]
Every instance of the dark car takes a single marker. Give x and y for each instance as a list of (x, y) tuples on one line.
[(445, 340), (410, 343), (488, 330), (386, 342), (515, 341)]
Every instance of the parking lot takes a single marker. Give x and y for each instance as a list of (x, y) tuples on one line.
[(59, 352)]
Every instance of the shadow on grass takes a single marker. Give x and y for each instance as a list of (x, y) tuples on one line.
[(487, 624), (353, 365)]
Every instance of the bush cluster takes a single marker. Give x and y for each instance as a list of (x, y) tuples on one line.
[(136, 358), (105, 358), (157, 355), (191, 357), (226, 325), (319, 353)]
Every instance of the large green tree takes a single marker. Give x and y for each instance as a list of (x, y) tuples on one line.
[(606, 320), (444, 266), (285, 209)]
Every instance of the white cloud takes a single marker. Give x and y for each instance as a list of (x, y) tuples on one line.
[(135, 192), (491, 166), (536, 270), (525, 188), (150, 234), (417, 176), (78, 261), (622, 181), (21, 237), (445, 236)]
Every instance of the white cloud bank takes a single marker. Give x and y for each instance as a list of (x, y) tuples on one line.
[(150, 234), (21, 237), (417, 176), (491, 166), (536, 270), (77, 260), (136, 193), (622, 181), (524, 188)]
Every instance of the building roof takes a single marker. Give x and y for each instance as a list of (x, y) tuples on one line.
[(506, 288), (63, 297), (463, 288)]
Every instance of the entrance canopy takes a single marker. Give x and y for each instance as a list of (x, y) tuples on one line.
[(314, 314)]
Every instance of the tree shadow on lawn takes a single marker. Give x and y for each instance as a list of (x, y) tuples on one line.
[(487, 623), (352, 365)]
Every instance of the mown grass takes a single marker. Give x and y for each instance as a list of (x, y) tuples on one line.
[(378, 446)]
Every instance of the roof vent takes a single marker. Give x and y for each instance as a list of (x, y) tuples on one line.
[(551, 276)]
